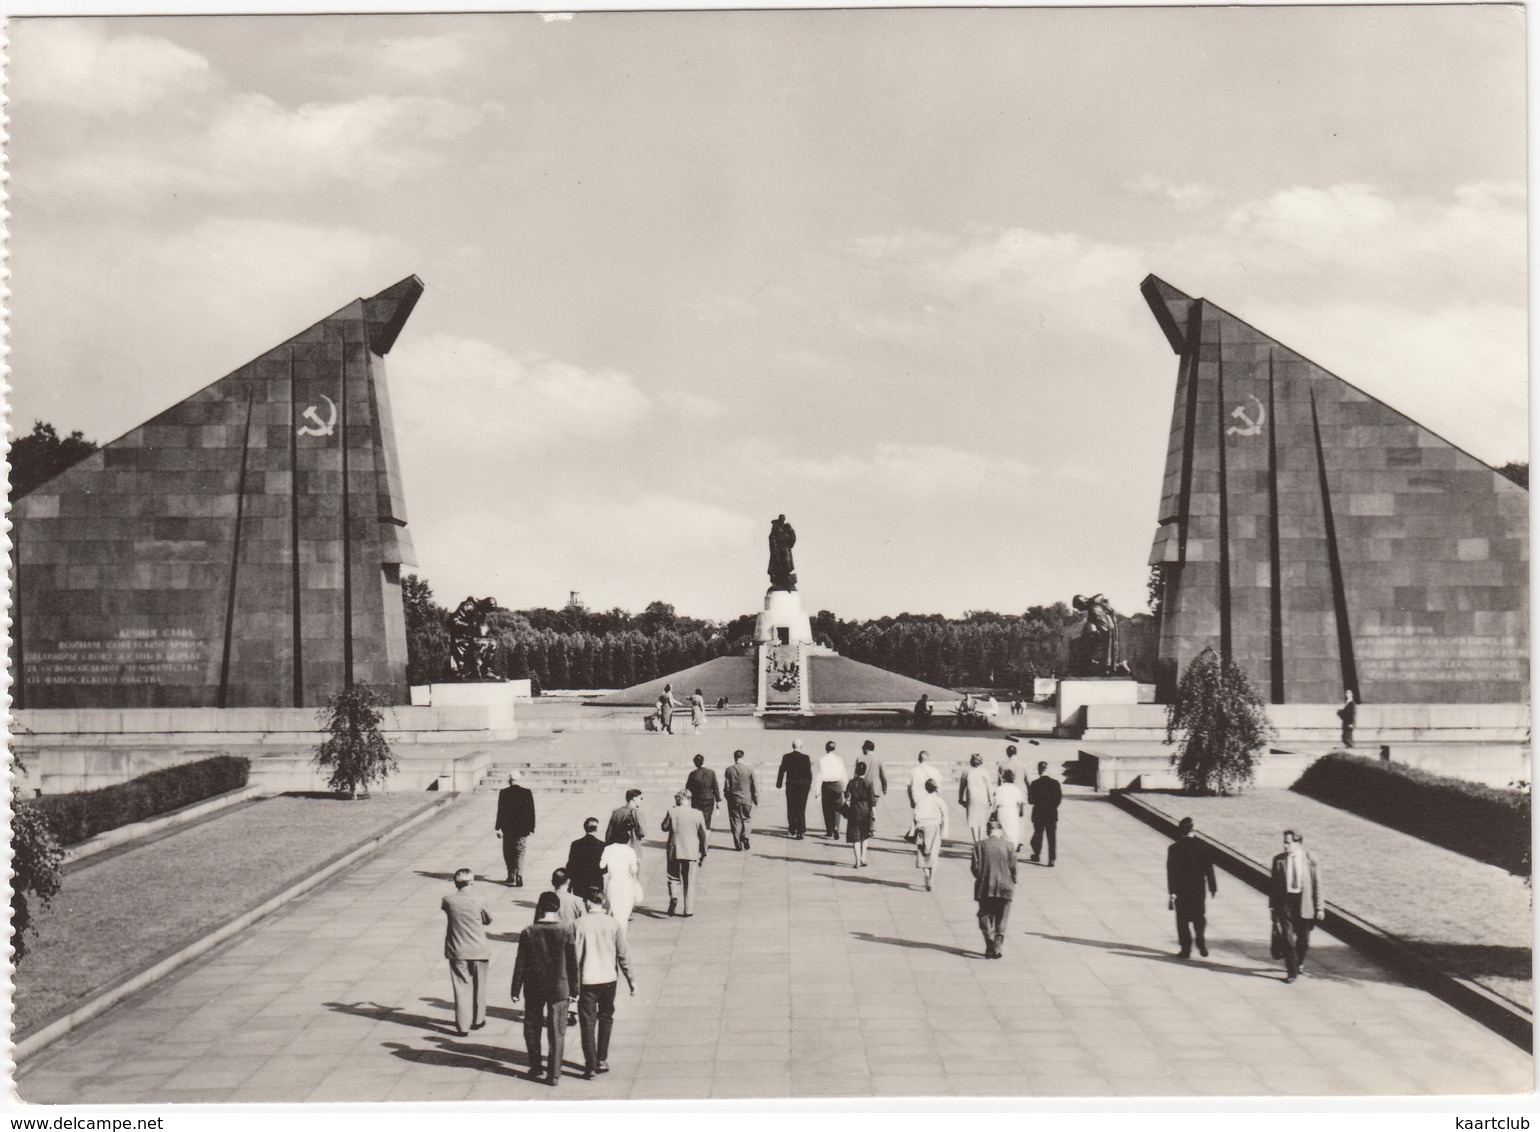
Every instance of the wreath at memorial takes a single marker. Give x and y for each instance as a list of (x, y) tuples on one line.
[(784, 675)]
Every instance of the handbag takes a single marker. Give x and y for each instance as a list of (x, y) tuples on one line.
[(1278, 942)]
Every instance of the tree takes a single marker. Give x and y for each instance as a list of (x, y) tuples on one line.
[(1223, 725), (355, 751), (37, 458), (1517, 471), (37, 865), (427, 635)]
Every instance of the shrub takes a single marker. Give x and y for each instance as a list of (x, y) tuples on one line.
[(1223, 725), (1484, 822), (77, 817), (356, 752), (37, 865)]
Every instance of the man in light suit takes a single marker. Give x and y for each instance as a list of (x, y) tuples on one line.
[(466, 948), (742, 797), (1296, 899), (994, 886), (875, 776), (515, 822), (686, 831)]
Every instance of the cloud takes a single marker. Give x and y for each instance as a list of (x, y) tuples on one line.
[(73, 63), (691, 407), (460, 394), (919, 471), (426, 56), (1190, 197)]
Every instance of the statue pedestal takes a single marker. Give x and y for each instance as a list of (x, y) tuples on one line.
[(1076, 692), (784, 621), (496, 698)]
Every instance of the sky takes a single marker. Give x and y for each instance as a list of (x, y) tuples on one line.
[(875, 270)]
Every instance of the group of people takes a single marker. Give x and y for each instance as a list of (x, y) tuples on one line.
[(662, 717), (575, 952)]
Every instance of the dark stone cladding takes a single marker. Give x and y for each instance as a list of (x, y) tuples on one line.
[(1325, 540), (242, 549)]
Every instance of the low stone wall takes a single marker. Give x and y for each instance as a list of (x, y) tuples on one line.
[(1377, 723)]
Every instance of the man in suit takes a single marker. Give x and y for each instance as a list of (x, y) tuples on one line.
[(583, 857), (1348, 713), (627, 823), (704, 792), (796, 774), (1190, 882), (994, 886), (466, 948), (1044, 796), (515, 822), (601, 956), (742, 797), (546, 971), (875, 776), (1295, 897), (686, 845)]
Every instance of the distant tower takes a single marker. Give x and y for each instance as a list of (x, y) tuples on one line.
[(575, 601)]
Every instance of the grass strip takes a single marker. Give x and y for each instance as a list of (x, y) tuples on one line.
[(1470, 919), (122, 913)]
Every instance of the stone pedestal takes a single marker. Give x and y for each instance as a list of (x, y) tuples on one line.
[(784, 621), (1077, 692), (497, 698)]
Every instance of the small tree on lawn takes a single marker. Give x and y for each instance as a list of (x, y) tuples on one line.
[(355, 751), (37, 865), (1223, 725)]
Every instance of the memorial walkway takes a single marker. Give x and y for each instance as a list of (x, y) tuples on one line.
[(798, 976)]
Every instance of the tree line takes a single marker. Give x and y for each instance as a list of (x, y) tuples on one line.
[(580, 648)]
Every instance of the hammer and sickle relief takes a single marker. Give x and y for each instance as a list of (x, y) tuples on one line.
[(1253, 427), (322, 428)]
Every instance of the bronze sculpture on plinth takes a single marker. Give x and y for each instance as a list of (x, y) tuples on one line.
[(1096, 652), (471, 644), (783, 572)]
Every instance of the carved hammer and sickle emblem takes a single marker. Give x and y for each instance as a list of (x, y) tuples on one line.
[(322, 428), (1253, 427)]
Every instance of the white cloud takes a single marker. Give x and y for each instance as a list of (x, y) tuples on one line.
[(1190, 197), (460, 393), (426, 56), (73, 63), (694, 408)]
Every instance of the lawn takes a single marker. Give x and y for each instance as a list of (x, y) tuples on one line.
[(1471, 919), (124, 911)]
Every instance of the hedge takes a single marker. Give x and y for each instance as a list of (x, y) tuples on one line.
[(1484, 822), (77, 817)]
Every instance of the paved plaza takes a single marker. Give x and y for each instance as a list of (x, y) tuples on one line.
[(797, 977)]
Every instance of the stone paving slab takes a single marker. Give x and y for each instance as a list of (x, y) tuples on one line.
[(798, 976)]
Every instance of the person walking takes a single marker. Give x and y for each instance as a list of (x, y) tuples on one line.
[(994, 885), (1296, 900), (583, 857), (622, 870), (686, 848), (1010, 805), (742, 796), (1044, 796), (571, 907), (515, 822), (666, 706), (627, 823), (976, 796), (1348, 713), (1190, 882), (859, 806), (831, 777), (876, 778), (930, 829), (546, 974), (796, 774), (1008, 763), (921, 774), (705, 793), (468, 952), (601, 957), (697, 711)]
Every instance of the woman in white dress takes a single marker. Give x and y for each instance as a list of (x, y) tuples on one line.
[(622, 870), (930, 828), (1009, 802)]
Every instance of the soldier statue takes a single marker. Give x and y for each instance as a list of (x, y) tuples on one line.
[(471, 644), (783, 573)]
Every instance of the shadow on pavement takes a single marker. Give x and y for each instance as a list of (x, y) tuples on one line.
[(484, 1059), (793, 860), (857, 878), (378, 1013), (1138, 951), (868, 937)]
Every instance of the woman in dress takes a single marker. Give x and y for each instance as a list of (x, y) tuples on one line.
[(697, 710), (622, 870), (859, 803), (1009, 802), (930, 826)]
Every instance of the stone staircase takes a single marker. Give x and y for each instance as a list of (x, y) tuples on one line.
[(556, 777)]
